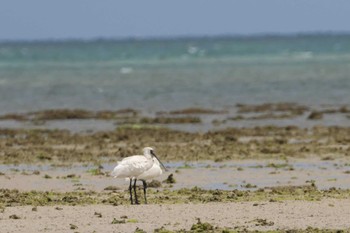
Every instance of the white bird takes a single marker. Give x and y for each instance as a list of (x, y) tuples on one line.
[(132, 167)]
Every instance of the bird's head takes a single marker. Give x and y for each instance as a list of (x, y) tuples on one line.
[(149, 151)]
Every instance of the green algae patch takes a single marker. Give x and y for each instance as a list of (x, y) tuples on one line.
[(38, 198), (202, 227), (116, 221), (198, 195), (269, 142), (139, 230), (132, 220), (194, 195)]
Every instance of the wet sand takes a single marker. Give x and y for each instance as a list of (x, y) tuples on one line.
[(228, 175)]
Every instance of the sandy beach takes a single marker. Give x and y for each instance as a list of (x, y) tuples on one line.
[(262, 216)]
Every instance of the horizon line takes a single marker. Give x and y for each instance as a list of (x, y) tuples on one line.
[(180, 37)]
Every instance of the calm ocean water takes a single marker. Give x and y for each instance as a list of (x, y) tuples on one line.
[(171, 74)]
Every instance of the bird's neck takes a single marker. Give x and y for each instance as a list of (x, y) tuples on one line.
[(148, 156)]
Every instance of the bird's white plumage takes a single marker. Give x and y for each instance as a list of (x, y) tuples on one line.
[(153, 172), (133, 166)]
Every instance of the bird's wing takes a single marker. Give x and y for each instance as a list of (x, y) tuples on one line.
[(130, 167)]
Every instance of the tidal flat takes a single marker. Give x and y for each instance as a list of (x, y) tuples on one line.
[(265, 177)]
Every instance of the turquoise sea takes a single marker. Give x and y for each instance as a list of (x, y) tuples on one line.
[(163, 74)]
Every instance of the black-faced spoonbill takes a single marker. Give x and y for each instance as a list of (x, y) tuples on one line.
[(132, 167)]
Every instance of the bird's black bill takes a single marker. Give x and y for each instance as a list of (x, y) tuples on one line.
[(165, 169)]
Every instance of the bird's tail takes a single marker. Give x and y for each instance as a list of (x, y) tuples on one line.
[(115, 172)]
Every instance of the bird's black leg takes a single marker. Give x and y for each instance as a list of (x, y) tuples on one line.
[(130, 191), (136, 201), (144, 190)]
